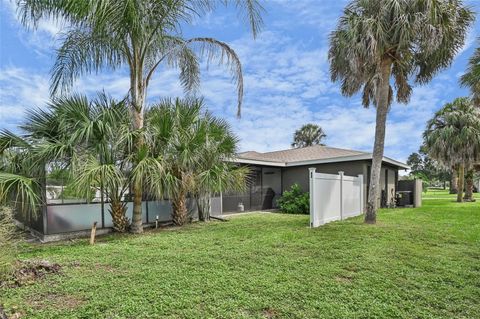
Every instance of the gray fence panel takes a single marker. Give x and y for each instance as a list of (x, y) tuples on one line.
[(216, 206), (161, 208), (69, 218)]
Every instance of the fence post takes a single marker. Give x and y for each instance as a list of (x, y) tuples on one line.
[(311, 174), (341, 194), (360, 177), (221, 203)]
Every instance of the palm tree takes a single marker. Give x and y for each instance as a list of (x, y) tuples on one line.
[(308, 135), (452, 137), (93, 142), (377, 41), (469, 185), (20, 173), (454, 180), (101, 161), (141, 35), (471, 78), (23, 190), (195, 147)]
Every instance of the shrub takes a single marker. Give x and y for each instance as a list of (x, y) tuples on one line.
[(295, 201), (7, 243)]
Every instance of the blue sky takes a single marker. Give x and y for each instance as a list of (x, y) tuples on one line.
[(286, 75)]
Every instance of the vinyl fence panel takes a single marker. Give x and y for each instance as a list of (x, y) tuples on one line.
[(334, 197)]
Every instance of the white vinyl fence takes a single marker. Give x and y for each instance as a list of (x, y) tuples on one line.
[(334, 197)]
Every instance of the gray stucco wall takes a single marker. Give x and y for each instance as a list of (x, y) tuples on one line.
[(299, 175)]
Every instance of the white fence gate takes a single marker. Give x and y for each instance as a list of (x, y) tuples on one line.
[(334, 197)]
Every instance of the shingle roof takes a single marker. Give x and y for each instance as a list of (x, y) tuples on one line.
[(316, 152)]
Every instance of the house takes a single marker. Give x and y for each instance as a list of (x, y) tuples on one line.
[(275, 172), (272, 173)]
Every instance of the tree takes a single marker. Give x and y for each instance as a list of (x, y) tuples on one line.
[(195, 147), (452, 137), (453, 180), (471, 78), (140, 35), (20, 173), (377, 41), (8, 243), (415, 161), (421, 164), (89, 141), (103, 154), (469, 185), (308, 135)]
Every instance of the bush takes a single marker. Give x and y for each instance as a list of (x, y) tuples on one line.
[(7, 243), (295, 201)]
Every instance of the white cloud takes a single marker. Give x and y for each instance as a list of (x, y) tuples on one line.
[(287, 84), (283, 90), (317, 13), (21, 90), (43, 39)]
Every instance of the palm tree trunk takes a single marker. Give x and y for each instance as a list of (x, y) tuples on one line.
[(138, 100), (469, 186), (117, 211), (454, 181), (461, 175), (381, 120), (179, 209), (203, 205)]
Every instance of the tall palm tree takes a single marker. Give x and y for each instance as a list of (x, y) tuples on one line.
[(469, 184), (452, 137), (308, 135), (454, 180), (471, 78), (140, 35), (194, 147), (379, 41)]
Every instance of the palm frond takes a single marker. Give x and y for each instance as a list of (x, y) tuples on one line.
[(452, 136), (21, 188), (84, 52), (308, 135), (10, 140), (419, 38), (471, 78), (214, 50)]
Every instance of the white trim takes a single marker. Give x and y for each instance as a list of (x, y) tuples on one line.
[(257, 162), (320, 161), (311, 173), (340, 174)]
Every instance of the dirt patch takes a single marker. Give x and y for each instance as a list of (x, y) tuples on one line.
[(270, 313), (347, 279), (3, 314), (27, 272), (105, 267), (58, 301)]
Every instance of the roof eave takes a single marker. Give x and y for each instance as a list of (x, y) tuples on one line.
[(257, 162), (320, 161)]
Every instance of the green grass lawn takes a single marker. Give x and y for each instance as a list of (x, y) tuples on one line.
[(414, 263)]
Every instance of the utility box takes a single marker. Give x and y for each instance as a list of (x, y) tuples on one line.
[(404, 198), (409, 193)]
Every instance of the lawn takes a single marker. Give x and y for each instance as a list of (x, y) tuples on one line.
[(415, 263)]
